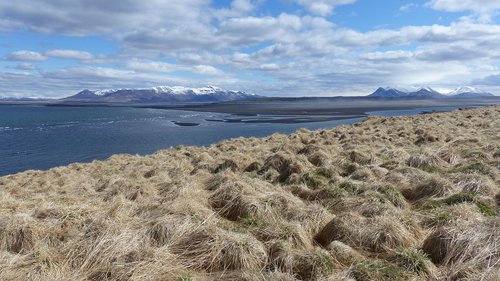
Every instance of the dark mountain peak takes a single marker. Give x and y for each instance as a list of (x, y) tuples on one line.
[(83, 95), (160, 94), (426, 92), (389, 92)]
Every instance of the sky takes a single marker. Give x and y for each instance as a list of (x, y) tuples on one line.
[(55, 48)]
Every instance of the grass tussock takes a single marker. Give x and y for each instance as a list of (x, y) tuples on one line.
[(432, 186), (472, 249), (390, 198), (414, 260)]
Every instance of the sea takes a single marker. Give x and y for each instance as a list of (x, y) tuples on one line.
[(42, 137)]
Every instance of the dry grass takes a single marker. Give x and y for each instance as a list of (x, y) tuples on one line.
[(391, 198)]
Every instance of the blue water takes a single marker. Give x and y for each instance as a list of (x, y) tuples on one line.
[(40, 137)]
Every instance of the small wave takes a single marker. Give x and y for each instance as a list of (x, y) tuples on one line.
[(157, 118), (189, 115), (64, 126), (4, 129)]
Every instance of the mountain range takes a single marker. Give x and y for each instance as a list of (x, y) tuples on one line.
[(462, 92), (211, 94), (163, 94)]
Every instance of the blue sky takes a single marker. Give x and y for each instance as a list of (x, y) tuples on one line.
[(55, 48)]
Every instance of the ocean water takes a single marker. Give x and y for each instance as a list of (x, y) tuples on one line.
[(41, 137)]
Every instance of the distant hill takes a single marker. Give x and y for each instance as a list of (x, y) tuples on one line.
[(388, 93), (159, 94), (469, 92), (463, 92)]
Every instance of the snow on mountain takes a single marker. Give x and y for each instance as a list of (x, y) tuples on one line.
[(390, 92), (104, 92), (160, 94), (469, 91), (179, 90), (427, 92)]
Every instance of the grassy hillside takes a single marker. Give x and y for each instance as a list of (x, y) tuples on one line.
[(400, 198)]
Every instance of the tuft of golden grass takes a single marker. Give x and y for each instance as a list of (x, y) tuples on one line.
[(390, 198)]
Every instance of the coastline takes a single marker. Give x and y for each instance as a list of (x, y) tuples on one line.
[(120, 138), (359, 105), (363, 201)]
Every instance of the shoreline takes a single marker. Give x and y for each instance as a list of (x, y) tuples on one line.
[(234, 119), (290, 106)]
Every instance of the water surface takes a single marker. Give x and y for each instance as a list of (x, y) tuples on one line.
[(42, 137)]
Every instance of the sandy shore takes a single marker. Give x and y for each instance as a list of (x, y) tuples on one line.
[(391, 198)]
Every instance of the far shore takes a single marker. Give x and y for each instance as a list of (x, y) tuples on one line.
[(290, 106)]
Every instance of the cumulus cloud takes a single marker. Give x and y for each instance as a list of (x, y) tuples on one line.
[(25, 66), (68, 81), (242, 5), (289, 52), (323, 7), (452, 52), (388, 56), (408, 6), (238, 8), (165, 67), (24, 55), (482, 8), (89, 17), (490, 80), (69, 54), (151, 66), (207, 69)]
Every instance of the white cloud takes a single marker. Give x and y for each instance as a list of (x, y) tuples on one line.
[(407, 7), (151, 66), (490, 80), (269, 66), (207, 70), (25, 66), (9, 25), (90, 17), (165, 67), (388, 56), (238, 8), (69, 54), (69, 81), (288, 53), (24, 55), (242, 5), (322, 7), (484, 8)]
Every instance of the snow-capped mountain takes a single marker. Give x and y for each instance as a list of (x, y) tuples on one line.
[(427, 92), (160, 94), (466, 92), (389, 92)]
